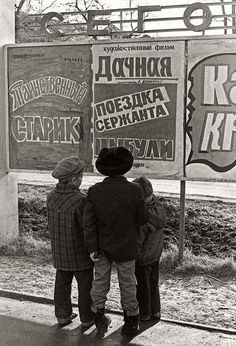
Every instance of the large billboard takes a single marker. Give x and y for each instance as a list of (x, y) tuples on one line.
[(49, 105), (211, 106), (74, 99), (138, 102)]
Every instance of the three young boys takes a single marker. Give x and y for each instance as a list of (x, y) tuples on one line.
[(112, 215)]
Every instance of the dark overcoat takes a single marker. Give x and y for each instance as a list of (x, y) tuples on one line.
[(113, 211)]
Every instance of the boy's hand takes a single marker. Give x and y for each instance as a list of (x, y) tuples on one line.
[(93, 256)]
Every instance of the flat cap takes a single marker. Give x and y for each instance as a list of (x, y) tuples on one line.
[(68, 166)]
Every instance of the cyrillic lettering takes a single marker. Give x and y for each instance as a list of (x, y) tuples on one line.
[(104, 60), (129, 63), (214, 91), (117, 67), (18, 129), (141, 11), (127, 102), (110, 107), (211, 130), (100, 109), (92, 23), (140, 67), (165, 69), (152, 67), (136, 100)]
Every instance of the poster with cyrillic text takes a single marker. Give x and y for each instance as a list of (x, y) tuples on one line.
[(138, 103), (49, 97), (211, 110)]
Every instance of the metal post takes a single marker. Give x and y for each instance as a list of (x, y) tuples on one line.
[(182, 220), (233, 19)]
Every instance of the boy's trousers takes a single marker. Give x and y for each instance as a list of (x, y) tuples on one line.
[(127, 283), (62, 293), (148, 288)]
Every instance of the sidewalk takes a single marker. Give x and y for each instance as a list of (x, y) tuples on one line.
[(26, 323)]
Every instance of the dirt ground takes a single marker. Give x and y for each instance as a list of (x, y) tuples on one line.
[(199, 299), (210, 229)]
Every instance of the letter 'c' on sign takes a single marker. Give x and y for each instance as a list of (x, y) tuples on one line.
[(44, 24), (207, 16)]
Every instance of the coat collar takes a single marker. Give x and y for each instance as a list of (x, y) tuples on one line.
[(66, 188), (117, 179)]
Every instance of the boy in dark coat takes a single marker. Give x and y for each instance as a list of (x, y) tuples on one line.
[(113, 210), (70, 257), (147, 265)]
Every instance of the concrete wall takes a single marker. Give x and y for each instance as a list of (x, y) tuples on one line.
[(8, 181)]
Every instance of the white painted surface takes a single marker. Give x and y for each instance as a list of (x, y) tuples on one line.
[(8, 182), (194, 189)]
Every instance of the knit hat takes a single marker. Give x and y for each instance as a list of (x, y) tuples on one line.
[(146, 186), (114, 161), (67, 167)]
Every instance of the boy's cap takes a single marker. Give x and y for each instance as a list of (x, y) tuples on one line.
[(68, 166), (114, 161), (146, 186)]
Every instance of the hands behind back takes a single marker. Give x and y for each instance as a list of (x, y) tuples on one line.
[(93, 256)]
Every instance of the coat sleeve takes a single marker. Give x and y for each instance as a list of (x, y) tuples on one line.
[(143, 231), (142, 215), (90, 225), (156, 216), (80, 210)]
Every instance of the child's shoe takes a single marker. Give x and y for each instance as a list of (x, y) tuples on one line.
[(131, 326), (65, 321), (145, 317), (101, 321), (156, 316), (87, 324)]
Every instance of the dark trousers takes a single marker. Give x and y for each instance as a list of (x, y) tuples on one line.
[(62, 293), (148, 294)]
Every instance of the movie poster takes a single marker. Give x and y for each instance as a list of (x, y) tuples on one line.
[(211, 106), (49, 101), (138, 98)]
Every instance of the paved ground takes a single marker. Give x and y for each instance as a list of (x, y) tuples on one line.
[(25, 323), (194, 189)]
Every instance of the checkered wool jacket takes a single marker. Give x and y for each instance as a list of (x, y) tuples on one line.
[(65, 207)]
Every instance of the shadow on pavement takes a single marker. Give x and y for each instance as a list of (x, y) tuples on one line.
[(20, 332)]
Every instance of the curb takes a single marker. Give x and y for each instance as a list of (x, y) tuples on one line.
[(43, 300), (24, 296)]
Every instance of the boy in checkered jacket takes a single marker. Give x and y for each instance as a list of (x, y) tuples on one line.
[(65, 205)]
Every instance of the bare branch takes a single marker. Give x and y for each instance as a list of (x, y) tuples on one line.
[(80, 10), (49, 6), (19, 7)]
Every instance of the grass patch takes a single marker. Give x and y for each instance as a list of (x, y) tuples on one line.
[(29, 247), (210, 234), (169, 263), (196, 264)]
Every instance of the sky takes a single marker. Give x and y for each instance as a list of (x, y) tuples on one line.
[(125, 3)]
